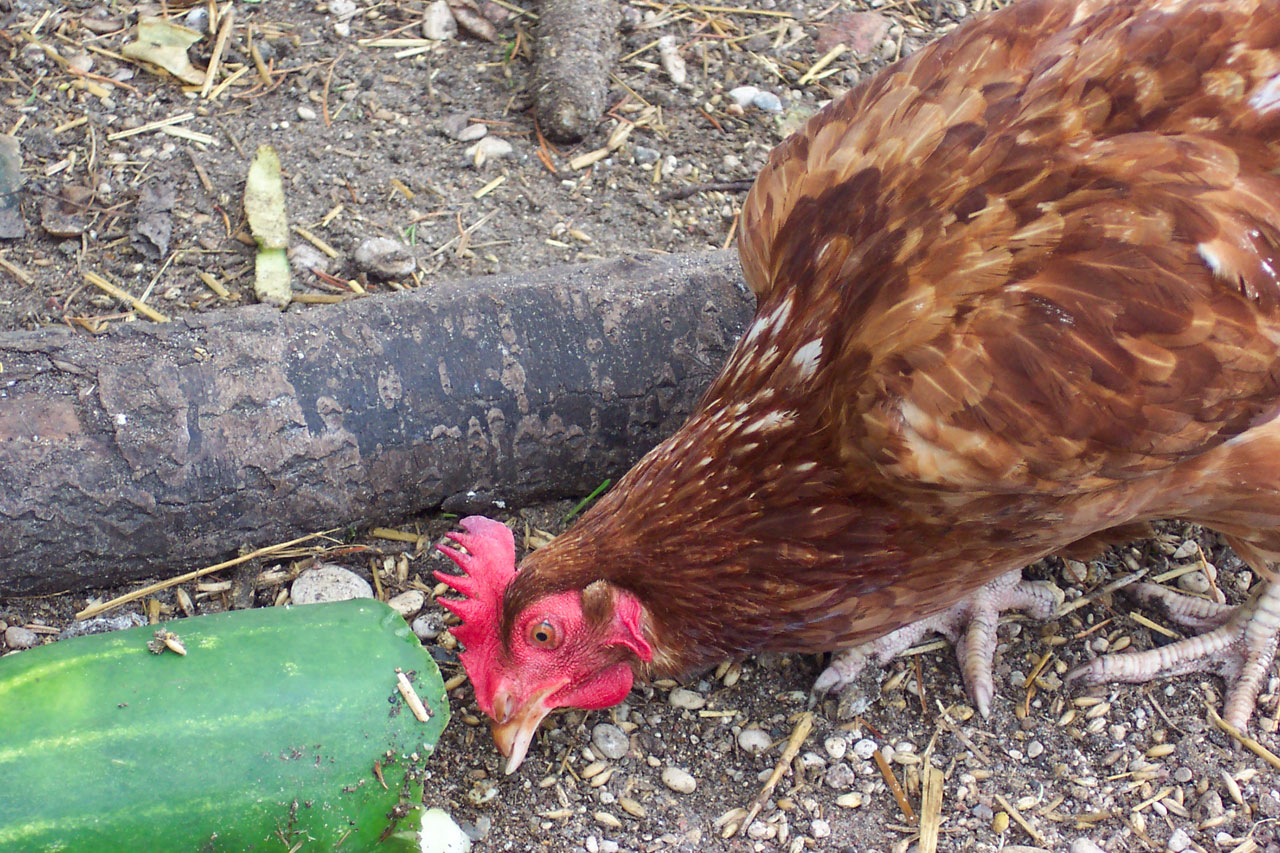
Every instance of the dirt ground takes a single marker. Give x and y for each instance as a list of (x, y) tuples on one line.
[(375, 128)]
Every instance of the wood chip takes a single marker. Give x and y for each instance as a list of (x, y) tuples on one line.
[(411, 698), (804, 725), (1244, 740), (894, 786), (138, 305), (930, 810), (1020, 820)]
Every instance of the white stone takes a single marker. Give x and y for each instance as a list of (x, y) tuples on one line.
[(1084, 845), (754, 741), (328, 582), (687, 699), (441, 835), (489, 148), (408, 603), (678, 780), (672, 61), (836, 747), (1178, 841), (438, 22), (743, 95)]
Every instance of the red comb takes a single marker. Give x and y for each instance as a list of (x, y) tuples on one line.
[(488, 566)]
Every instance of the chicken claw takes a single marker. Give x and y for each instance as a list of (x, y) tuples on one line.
[(969, 624), (1239, 646)]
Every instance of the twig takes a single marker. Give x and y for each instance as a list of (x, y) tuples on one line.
[(715, 186), (411, 698), (1083, 600), (1020, 820), (803, 726), (103, 607), (138, 305), (1244, 740), (219, 47), (894, 787), (930, 810)]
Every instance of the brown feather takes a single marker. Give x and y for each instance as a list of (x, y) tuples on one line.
[(1016, 291)]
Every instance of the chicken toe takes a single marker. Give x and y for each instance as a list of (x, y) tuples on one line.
[(1239, 647), (970, 625)]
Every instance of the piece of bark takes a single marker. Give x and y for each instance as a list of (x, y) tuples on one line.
[(576, 48), (160, 448)]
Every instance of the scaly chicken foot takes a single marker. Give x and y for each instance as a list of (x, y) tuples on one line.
[(1240, 648), (969, 624)]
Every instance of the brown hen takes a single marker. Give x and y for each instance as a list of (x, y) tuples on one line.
[(1014, 292)]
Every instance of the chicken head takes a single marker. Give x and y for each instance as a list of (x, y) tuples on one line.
[(572, 649)]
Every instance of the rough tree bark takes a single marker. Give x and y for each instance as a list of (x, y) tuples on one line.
[(159, 448)]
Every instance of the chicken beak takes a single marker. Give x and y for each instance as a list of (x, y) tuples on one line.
[(515, 726)]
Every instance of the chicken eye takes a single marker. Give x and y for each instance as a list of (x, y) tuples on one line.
[(544, 635)]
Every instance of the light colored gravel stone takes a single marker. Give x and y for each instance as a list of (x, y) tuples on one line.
[(408, 603), (610, 740), (17, 637), (754, 741), (686, 699), (328, 582), (678, 780)]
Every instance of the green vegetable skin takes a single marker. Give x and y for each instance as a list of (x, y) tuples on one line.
[(263, 737)]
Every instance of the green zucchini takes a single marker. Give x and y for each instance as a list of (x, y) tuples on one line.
[(275, 732)]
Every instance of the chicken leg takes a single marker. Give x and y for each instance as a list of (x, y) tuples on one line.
[(1239, 646), (969, 624)]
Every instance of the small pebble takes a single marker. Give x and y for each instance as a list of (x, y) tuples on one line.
[(408, 603), (819, 827), (810, 760), (865, 748), (849, 801), (1195, 582), (306, 113), (767, 102), (678, 780), (385, 257), (489, 148), (17, 637), (440, 834), (743, 95), (645, 155), (672, 61), (438, 23), (1182, 775), (472, 132), (754, 741), (687, 699), (428, 626), (304, 256), (1178, 841), (841, 777), (1084, 845), (328, 582), (836, 747), (1035, 749), (610, 740)]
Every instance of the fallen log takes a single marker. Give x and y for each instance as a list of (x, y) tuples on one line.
[(158, 448)]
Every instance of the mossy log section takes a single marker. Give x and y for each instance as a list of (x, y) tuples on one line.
[(158, 448)]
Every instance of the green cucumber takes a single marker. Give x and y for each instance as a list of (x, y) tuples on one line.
[(263, 737)]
